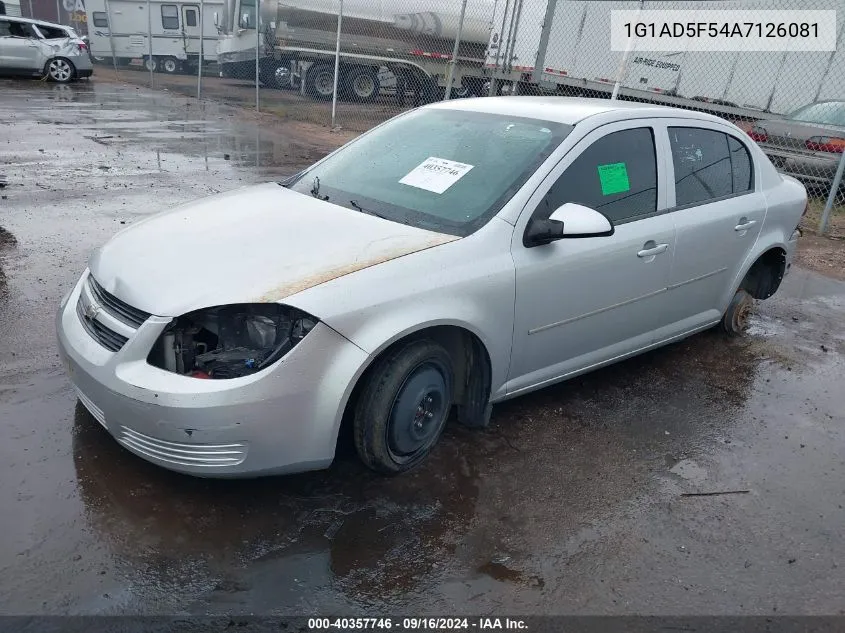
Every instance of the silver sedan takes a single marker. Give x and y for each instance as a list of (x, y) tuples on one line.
[(456, 256)]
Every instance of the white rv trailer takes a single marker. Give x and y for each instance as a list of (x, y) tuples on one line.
[(11, 7), (408, 40), (119, 29), (563, 46)]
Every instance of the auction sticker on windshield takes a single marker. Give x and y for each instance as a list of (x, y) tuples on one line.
[(436, 174)]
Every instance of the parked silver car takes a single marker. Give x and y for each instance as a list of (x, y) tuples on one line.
[(458, 255), (36, 49), (808, 143)]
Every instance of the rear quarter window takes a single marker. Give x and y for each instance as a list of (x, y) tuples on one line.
[(52, 33), (706, 165)]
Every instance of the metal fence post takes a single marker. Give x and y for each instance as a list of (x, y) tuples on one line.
[(111, 38), (624, 63), (202, 42), (831, 198), (150, 40), (257, 51), (451, 74), (336, 63)]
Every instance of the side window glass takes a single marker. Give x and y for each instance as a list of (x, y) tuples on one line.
[(100, 19), (4, 28), (702, 165), (740, 166), (170, 17), (616, 175), (52, 33), (190, 17), (21, 29)]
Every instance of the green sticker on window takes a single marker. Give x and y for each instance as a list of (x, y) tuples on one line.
[(614, 178)]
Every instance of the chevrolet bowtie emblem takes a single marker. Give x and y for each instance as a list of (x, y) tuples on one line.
[(91, 310)]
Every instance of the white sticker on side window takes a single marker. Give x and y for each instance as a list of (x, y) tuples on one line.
[(436, 174)]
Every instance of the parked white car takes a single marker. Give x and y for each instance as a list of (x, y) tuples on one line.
[(456, 256), (36, 49)]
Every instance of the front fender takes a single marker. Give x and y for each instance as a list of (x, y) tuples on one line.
[(469, 284)]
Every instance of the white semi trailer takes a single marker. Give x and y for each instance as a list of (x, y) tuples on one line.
[(563, 46), (120, 29), (382, 43)]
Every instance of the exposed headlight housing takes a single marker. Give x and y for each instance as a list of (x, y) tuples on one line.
[(230, 341)]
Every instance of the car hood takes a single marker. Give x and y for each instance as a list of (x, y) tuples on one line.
[(258, 244)]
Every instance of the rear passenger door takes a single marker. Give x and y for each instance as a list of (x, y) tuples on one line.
[(717, 212)]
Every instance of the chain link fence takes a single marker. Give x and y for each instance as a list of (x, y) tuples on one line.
[(351, 64)]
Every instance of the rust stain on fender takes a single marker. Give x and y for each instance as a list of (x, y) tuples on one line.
[(322, 276)]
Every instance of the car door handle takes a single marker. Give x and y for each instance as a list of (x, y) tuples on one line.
[(744, 226), (652, 250)]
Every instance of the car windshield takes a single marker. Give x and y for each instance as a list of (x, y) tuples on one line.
[(443, 170), (825, 113)]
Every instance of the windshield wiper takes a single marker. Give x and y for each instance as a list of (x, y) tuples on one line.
[(375, 213), (315, 189)]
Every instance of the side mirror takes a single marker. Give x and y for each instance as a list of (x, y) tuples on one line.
[(245, 21), (581, 221), (568, 221)]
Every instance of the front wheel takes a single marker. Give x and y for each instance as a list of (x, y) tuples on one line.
[(403, 407), (60, 70)]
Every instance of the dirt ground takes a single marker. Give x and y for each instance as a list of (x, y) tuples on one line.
[(573, 501)]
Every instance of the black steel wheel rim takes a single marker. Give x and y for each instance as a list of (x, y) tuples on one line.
[(419, 411)]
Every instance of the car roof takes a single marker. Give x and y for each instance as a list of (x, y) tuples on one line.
[(568, 110), (16, 18)]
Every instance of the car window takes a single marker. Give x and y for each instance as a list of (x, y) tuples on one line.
[(743, 174), (52, 33), (616, 175), (100, 19), (247, 17), (190, 17), (826, 113), (4, 28), (21, 29), (169, 16), (444, 170), (702, 165)]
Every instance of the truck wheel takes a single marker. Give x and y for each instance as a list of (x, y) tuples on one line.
[(151, 63), (362, 84), (319, 81), (403, 407), (170, 65), (277, 75)]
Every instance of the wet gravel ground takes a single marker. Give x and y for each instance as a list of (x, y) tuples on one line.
[(571, 502)]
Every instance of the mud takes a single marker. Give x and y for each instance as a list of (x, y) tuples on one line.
[(570, 502)]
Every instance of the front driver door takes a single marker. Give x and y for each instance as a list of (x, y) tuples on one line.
[(583, 301)]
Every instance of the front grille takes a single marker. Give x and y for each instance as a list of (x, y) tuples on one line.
[(204, 455), (109, 339), (115, 307)]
